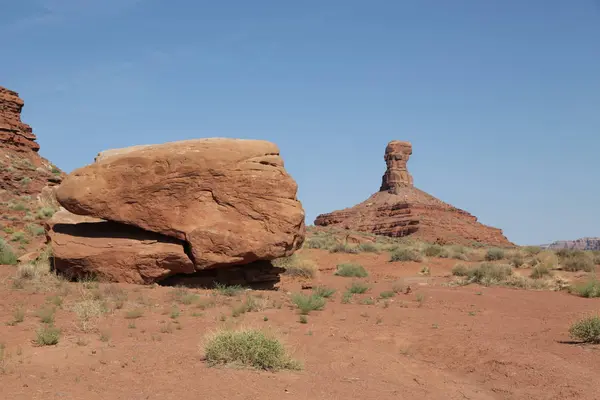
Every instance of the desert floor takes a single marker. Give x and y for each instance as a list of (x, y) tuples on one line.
[(436, 342)]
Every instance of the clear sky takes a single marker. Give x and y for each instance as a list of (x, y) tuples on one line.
[(500, 98)]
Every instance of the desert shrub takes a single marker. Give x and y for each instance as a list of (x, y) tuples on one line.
[(494, 254), (587, 330), (134, 314), (433, 250), (460, 270), (19, 237), (47, 335), (250, 304), (484, 273), (351, 270), (516, 260), (17, 206), (46, 314), (547, 258), (228, 290), (35, 229), (590, 289), (596, 257), (540, 271), (405, 254), (323, 291), (308, 303), (344, 248), (579, 262), (45, 212), (358, 288), (250, 348), (425, 270), (368, 247), (7, 256), (387, 294), (532, 250), (295, 265)]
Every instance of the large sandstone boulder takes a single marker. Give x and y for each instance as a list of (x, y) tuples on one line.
[(113, 251), (230, 200)]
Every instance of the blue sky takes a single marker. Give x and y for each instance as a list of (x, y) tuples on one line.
[(501, 99)]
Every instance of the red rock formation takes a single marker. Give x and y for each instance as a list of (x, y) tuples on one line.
[(400, 209), (25, 179), (14, 134)]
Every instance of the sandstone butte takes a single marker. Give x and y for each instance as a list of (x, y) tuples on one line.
[(400, 209), (176, 208), (27, 180)]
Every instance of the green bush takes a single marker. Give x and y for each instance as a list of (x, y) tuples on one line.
[(540, 271), (47, 335), (590, 289), (577, 263), (516, 260), (351, 270), (358, 288), (35, 229), (250, 348), (405, 254), (297, 266), (387, 294), (494, 254), (308, 303), (587, 330), (433, 250), (344, 248), (45, 212), (19, 237), (323, 291), (368, 247), (7, 256), (484, 273)]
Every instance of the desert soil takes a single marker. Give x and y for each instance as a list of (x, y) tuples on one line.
[(437, 342)]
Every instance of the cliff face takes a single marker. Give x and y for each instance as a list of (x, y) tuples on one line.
[(26, 179), (587, 243), (400, 209)]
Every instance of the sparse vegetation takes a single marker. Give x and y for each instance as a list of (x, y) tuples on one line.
[(540, 271), (405, 254), (589, 289), (587, 330), (576, 261), (494, 254), (182, 295), (35, 229), (425, 271), (250, 348), (368, 247), (228, 290), (19, 237), (323, 291), (308, 303), (347, 297), (134, 314), (7, 256), (250, 303), (303, 319), (47, 335), (46, 314), (358, 288), (484, 273), (297, 266), (433, 250), (516, 260), (387, 294), (351, 270), (45, 212), (344, 248), (18, 316)]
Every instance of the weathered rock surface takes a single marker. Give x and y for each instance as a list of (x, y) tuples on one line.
[(587, 243), (400, 209), (113, 251), (230, 200), (24, 175)]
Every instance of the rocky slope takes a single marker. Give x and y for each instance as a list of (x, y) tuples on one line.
[(587, 243), (26, 179), (400, 209)]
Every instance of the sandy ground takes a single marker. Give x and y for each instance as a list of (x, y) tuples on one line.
[(468, 342)]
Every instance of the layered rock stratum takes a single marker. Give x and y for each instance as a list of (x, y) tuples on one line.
[(221, 202), (586, 243), (400, 209), (27, 180)]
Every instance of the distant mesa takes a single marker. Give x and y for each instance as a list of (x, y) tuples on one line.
[(400, 209), (586, 243)]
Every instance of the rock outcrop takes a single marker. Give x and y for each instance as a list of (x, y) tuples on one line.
[(400, 209), (227, 202), (26, 179), (587, 243)]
